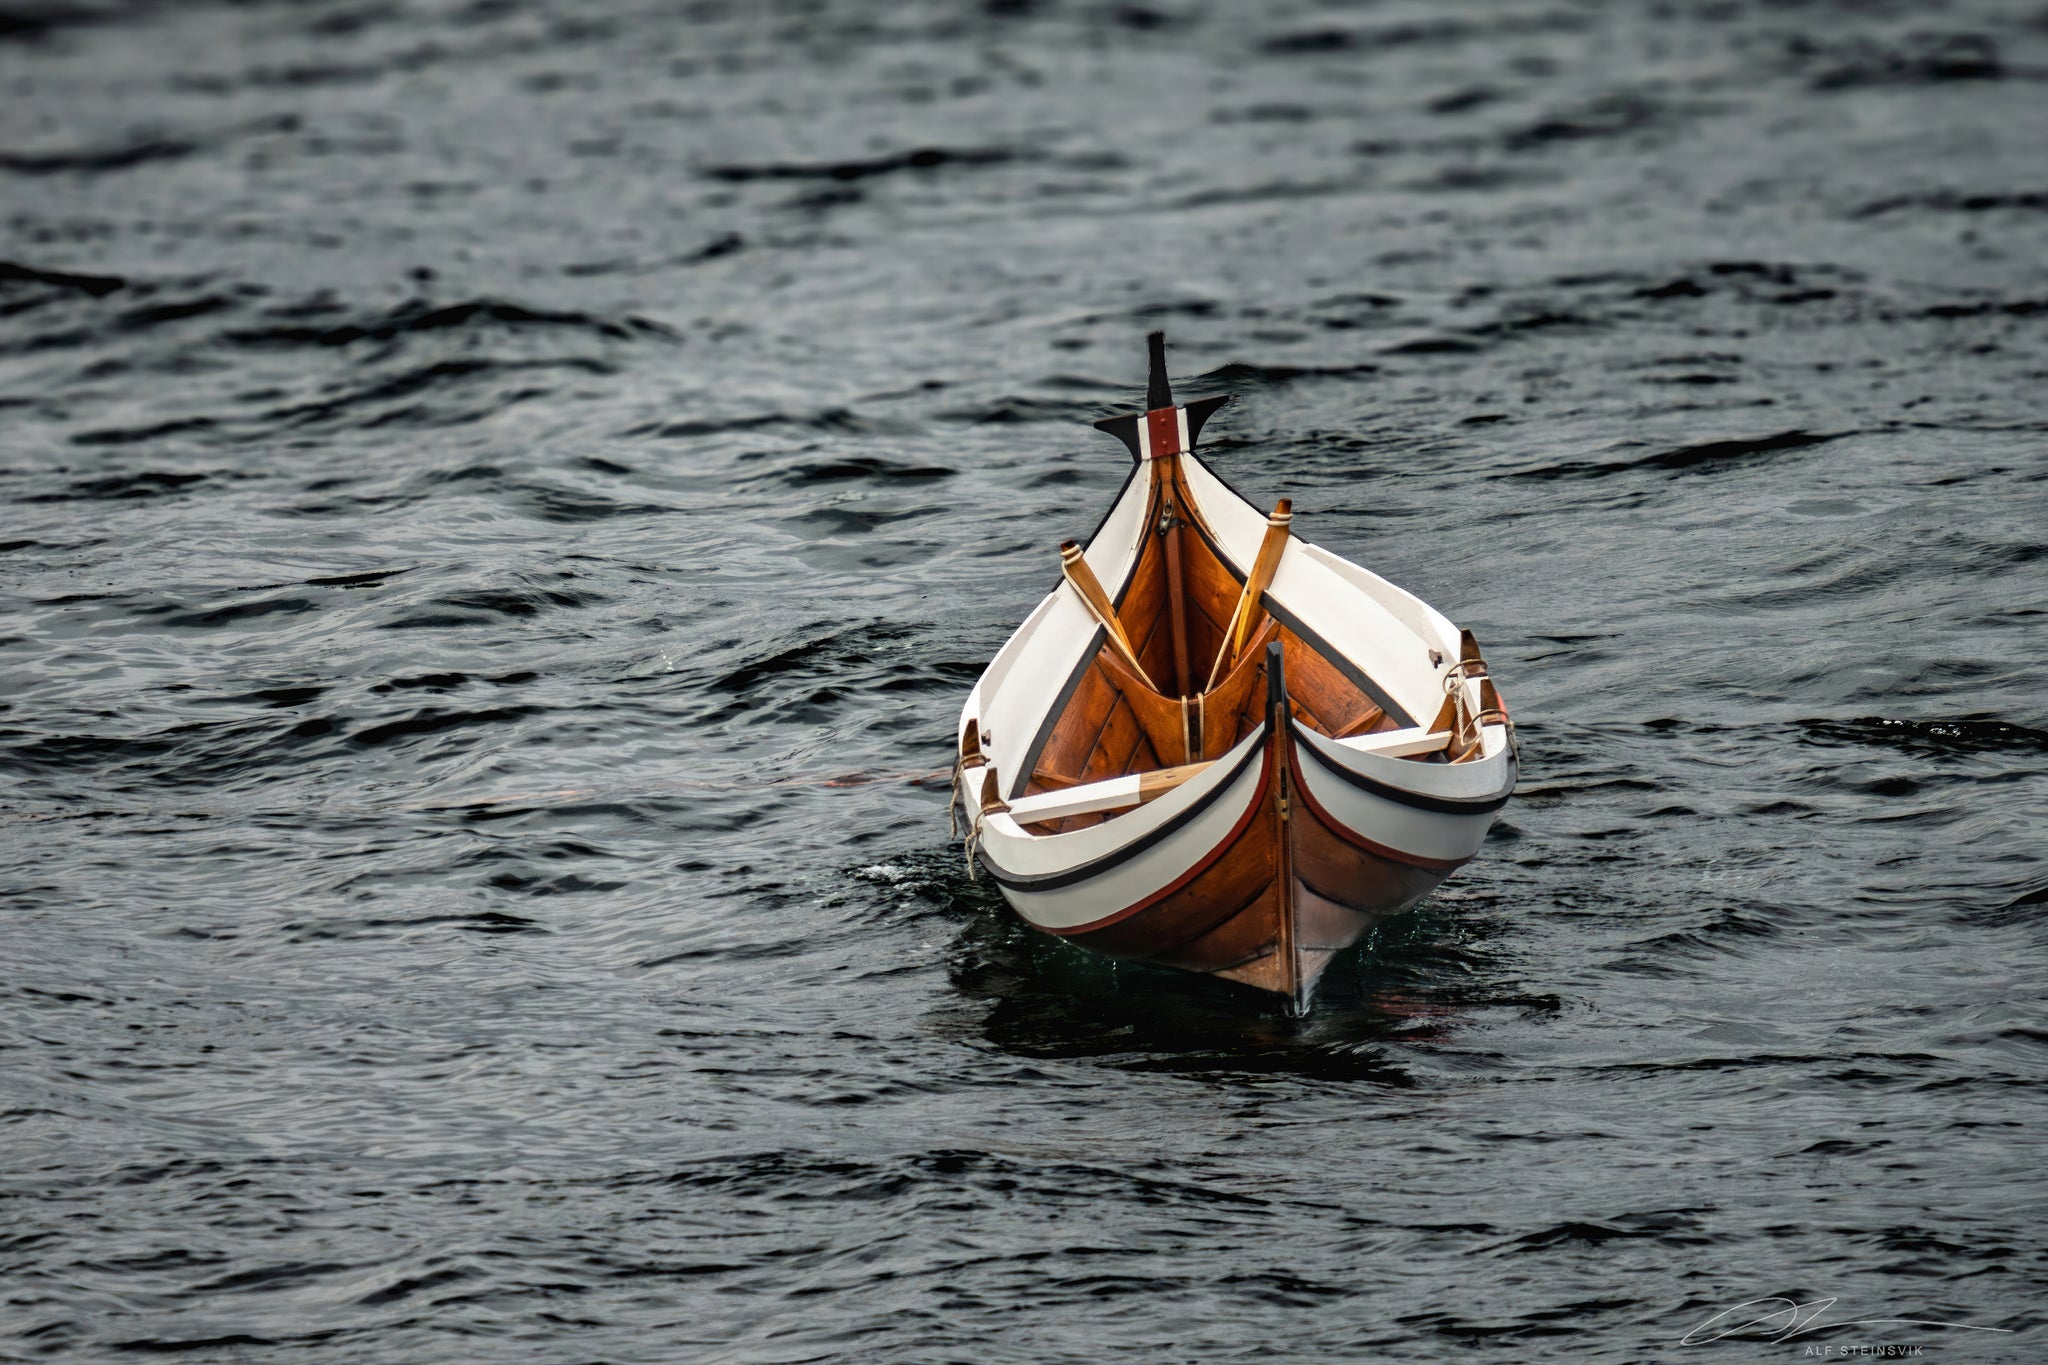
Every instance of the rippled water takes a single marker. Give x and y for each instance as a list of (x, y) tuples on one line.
[(503, 502)]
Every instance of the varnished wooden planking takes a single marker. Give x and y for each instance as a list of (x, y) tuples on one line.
[(1176, 584), (1372, 722), (1348, 875), (1241, 872), (1333, 702), (1119, 739), (1271, 907), (1226, 917), (1140, 755), (1092, 726), (1144, 613), (1211, 590), (1253, 907), (1268, 973), (1247, 934), (1073, 738)]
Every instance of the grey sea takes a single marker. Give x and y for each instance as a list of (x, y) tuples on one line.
[(501, 502)]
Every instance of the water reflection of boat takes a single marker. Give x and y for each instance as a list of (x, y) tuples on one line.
[(1217, 747)]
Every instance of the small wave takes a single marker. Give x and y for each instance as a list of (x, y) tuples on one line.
[(1705, 456), (787, 1177), (447, 380), (518, 605), (123, 436), (158, 314), (97, 160), (1616, 115), (98, 286), (148, 483), (921, 159), (1676, 1227), (1916, 59), (1015, 409), (1436, 345), (368, 578), (434, 721), (1239, 372), (1429, 33), (420, 315), (1949, 201), (235, 613), (569, 507), (837, 656), (2012, 308), (861, 468), (842, 421)]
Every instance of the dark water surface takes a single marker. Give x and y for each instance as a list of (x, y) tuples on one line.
[(503, 502)]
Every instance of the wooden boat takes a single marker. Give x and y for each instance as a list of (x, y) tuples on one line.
[(1216, 747)]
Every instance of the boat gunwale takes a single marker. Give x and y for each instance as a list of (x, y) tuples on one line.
[(1317, 746), (1255, 744)]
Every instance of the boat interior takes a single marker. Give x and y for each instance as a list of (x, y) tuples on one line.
[(1192, 682)]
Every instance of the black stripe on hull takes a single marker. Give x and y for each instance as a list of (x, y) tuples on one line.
[(1441, 805)]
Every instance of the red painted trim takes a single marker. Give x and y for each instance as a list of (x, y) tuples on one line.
[(1359, 841), (1208, 860), (1162, 426)]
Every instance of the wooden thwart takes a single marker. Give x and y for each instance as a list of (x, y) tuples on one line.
[(1118, 793)]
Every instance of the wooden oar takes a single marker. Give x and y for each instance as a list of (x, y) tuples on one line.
[(1075, 566), (1263, 569)]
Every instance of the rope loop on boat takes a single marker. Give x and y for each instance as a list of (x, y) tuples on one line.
[(1467, 742), (971, 844), (953, 801), (1463, 671), (1454, 679)]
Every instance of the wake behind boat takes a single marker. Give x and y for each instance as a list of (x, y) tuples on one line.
[(1217, 747)]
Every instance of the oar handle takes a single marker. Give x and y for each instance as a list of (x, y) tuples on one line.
[(1261, 577), (1074, 565)]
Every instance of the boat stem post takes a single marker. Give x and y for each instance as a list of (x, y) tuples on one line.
[(1158, 393), (1277, 717), (1169, 531)]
